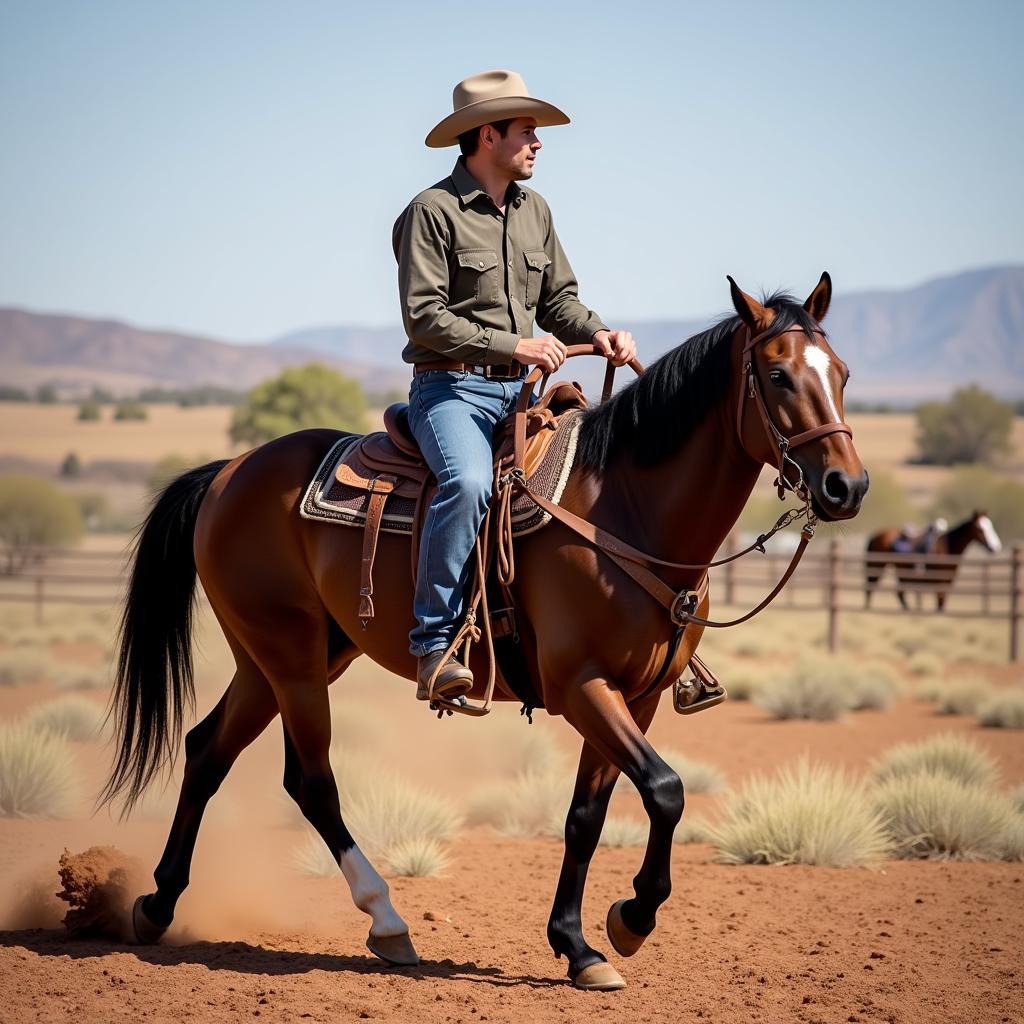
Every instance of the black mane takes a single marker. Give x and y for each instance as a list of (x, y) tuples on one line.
[(653, 415)]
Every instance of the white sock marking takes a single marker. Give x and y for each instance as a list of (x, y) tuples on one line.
[(818, 360), (371, 895)]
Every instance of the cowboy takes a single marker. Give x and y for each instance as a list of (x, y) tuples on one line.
[(478, 263)]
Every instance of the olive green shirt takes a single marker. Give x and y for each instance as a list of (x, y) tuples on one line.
[(472, 280)]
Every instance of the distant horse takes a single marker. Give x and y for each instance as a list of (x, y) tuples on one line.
[(915, 574), (669, 463)]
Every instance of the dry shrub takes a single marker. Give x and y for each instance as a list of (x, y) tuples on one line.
[(623, 832), (963, 697), (1016, 797), (697, 776), (74, 718), (925, 664), (416, 858), (311, 857), (947, 754), (931, 691), (875, 687), (816, 688), (82, 679), (23, 666), (37, 773), (534, 803), (691, 830), (1003, 710), (742, 681), (937, 816), (807, 814)]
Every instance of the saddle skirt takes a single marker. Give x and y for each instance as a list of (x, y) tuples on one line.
[(379, 481)]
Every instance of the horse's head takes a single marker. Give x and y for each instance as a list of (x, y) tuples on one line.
[(790, 412), (981, 529)]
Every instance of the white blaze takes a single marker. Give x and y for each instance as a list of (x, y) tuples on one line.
[(818, 360), (988, 531)]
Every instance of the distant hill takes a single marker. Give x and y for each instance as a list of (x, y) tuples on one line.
[(902, 345), (76, 354)]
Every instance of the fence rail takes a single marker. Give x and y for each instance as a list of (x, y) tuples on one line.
[(828, 579)]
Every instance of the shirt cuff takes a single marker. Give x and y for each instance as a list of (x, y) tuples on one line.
[(501, 347)]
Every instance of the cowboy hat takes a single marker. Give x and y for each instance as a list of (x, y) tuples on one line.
[(490, 96)]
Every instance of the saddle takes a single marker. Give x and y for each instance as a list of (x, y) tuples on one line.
[(380, 481)]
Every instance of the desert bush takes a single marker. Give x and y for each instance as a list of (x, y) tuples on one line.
[(925, 664), (947, 754), (34, 514), (82, 679), (621, 832), (691, 830), (416, 858), (74, 718), (742, 682), (973, 426), (23, 666), (805, 814), (963, 697), (1016, 797), (817, 688), (89, 411), (533, 803), (930, 691), (1004, 709), (697, 776), (37, 773), (875, 686), (130, 409), (933, 815), (311, 857)]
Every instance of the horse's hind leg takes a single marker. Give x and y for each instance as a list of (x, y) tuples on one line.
[(299, 679), (211, 747)]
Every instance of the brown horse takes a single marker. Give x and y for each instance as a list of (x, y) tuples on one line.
[(918, 574), (669, 463)]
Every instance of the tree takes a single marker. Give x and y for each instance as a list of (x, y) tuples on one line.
[(129, 409), (46, 393), (89, 410), (34, 514), (300, 397), (973, 426), (71, 467)]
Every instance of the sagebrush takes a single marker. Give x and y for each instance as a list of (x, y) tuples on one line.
[(37, 773), (945, 754)]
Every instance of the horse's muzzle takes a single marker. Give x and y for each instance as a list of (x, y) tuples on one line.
[(841, 494)]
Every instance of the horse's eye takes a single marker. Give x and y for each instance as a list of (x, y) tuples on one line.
[(779, 379)]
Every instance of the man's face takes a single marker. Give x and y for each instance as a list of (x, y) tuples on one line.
[(516, 152)]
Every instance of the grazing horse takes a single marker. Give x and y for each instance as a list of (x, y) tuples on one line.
[(668, 463), (916, 573)]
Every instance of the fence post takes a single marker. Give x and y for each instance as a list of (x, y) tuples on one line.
[(833, 595), (39, 600), (984, 587), (1016, 562), (730, 587)]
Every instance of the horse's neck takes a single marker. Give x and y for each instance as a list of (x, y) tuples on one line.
[(957, 539), (683, 508)]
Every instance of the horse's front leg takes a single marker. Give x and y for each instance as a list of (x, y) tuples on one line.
[(599, 713)]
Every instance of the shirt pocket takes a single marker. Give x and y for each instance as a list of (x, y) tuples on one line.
[(537, 262), (478, 276)]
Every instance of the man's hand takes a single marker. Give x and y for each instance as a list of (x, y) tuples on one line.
[(548, 352), (618, 346)]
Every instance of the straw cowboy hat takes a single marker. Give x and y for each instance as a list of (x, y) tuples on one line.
[(490, 96)]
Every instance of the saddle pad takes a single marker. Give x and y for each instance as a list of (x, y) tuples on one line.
[(329, 501)]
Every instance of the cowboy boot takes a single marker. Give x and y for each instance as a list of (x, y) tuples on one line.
[(453, 679)]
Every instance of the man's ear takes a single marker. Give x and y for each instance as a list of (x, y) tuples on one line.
[(751, 312), (818, 301)]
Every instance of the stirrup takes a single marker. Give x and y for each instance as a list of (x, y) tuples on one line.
[(442, 706), (684, 702)]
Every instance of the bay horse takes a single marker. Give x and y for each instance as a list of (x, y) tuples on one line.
[(915, 572), (669, 462)]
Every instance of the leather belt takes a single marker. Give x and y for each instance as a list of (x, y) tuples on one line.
[(513, 372)]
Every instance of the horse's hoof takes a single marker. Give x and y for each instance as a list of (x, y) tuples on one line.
[(146, 933), (394, 949), (599, 977), (624, 942)]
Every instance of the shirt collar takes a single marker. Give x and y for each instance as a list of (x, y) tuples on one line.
[(469, 188)]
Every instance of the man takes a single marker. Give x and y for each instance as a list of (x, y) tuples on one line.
[(478, 263)]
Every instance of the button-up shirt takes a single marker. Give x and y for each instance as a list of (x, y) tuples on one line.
[(473, 280)]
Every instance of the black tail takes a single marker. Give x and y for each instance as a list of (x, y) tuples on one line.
[(154, 666)]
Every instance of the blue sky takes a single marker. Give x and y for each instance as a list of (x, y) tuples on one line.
[(234, 168)]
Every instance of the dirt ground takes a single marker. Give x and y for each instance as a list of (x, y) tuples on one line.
[(907, 942)]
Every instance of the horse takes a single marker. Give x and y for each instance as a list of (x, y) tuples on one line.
[(670, 461), (916, 572)]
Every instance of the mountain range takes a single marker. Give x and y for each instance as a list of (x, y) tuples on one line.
[(903, 345)]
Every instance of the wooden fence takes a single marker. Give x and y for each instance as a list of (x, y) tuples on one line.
[(828, 579)]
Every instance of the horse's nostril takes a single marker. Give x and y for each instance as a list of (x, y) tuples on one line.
[(837, 486)]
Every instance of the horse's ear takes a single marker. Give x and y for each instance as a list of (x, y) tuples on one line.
[(751, 312), (818, 301)]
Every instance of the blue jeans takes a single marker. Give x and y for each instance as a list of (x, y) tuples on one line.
[(453, 416)]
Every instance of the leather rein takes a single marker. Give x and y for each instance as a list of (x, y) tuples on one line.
[(681, 605)]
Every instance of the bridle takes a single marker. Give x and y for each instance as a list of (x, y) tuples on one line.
[(751, 389)]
